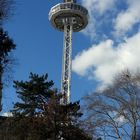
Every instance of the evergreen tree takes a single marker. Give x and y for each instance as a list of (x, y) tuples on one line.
[(6, 46), (42, 114), (33, 94)]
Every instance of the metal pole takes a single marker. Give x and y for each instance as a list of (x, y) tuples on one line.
[(66, 69)]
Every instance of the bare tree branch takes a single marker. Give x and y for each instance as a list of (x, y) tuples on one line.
[(115, 109)]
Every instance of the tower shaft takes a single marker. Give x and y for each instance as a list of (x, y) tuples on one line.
[(66, 67), (68, 17)]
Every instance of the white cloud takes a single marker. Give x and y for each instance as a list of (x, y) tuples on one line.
[(108, 12), (7, 114), (128, 18), (92, 56), (119, 119), (104, 60), (96, 7), (100, 6)]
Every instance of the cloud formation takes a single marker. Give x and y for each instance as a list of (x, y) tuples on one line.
[(99, 6), (128, 18), (7, 114), (108, 56), (96, 9), (104, 60)]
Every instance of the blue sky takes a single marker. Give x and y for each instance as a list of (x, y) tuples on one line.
[(39, 48), (109, 44)]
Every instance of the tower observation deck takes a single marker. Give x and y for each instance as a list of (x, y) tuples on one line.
[(68, 17)]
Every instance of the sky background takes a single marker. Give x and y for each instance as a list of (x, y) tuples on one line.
[(110, 44)]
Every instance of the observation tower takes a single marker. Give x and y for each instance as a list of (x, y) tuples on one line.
[(68, 17)]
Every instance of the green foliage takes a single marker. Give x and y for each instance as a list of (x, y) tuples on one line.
[(33, 94), (41, 114), (6, 46)]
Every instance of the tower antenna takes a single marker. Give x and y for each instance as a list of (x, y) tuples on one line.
[(68, 17)]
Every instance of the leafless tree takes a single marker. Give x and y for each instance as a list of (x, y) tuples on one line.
[(114, 112)]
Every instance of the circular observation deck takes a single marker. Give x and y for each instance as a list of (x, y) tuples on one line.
[(76, 14)]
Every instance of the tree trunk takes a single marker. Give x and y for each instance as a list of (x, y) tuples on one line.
[(134, 133), (1, 87)]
